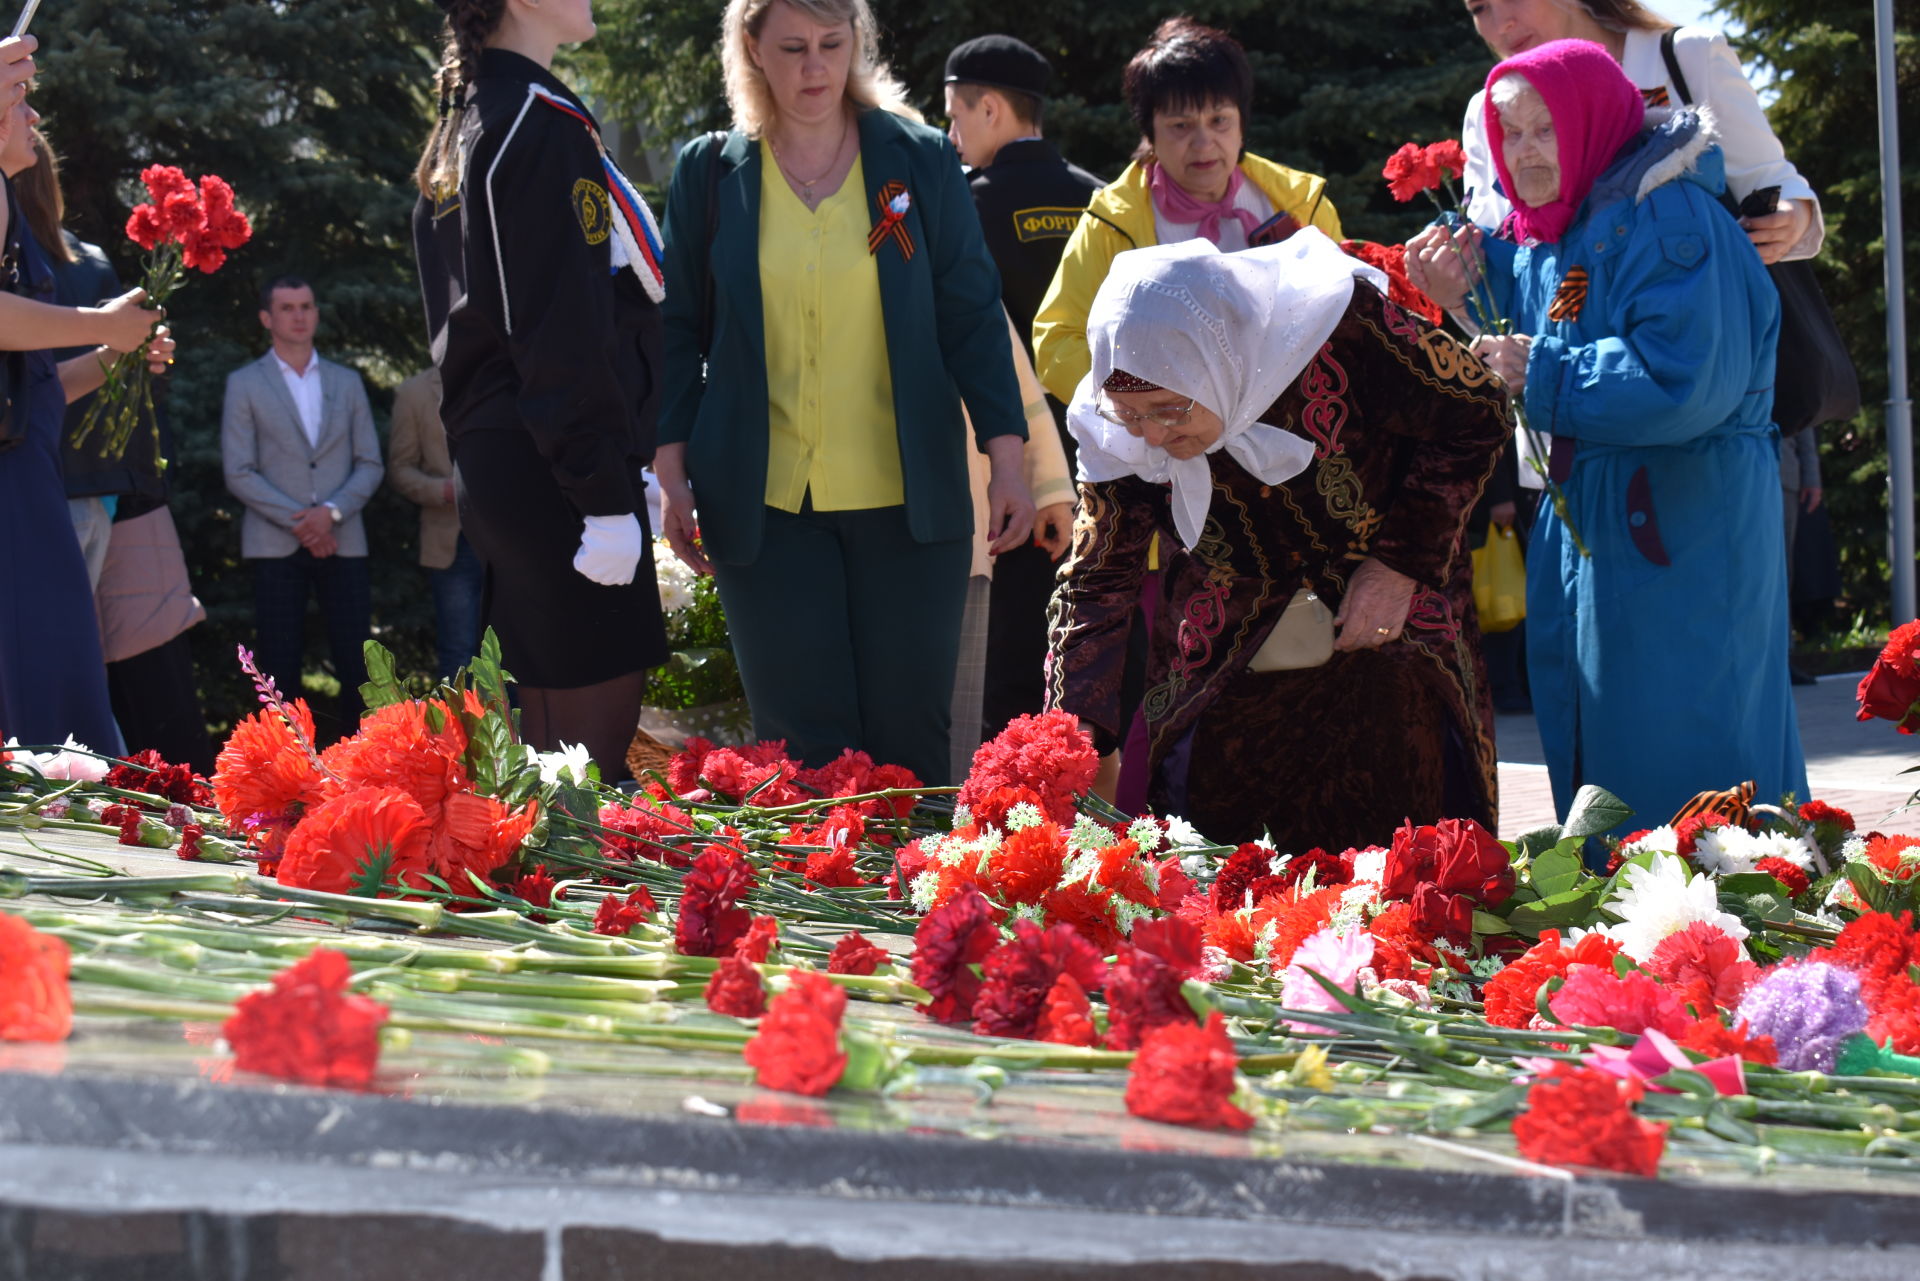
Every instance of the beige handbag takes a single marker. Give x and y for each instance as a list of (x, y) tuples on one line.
[(1302, 638)]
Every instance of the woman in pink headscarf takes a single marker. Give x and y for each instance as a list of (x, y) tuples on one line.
[(1643, 340)]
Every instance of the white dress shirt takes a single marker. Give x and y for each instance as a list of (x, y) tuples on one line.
[(305, 389)]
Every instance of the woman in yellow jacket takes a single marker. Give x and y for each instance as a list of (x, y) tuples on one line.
[(1190, 90)]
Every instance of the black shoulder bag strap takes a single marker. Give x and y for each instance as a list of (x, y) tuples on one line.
[(1674, 74), (718, 139)]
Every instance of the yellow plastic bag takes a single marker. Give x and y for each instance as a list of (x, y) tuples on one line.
[(1500, 581)]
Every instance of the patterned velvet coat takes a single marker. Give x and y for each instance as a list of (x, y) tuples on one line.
[(1406, 425)]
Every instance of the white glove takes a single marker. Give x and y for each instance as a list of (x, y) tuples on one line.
[(610, 549)]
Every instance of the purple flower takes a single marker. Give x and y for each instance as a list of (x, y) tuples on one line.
[(1808, 1010)]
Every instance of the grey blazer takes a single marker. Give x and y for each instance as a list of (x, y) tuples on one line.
[(271, 468)]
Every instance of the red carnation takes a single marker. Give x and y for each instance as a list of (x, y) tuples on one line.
[(798, 1045), (220, 228), (1391, 261), (190, 837), (1029, 863), (1236, 876), (1018, 976), (735, 989), (618, 916), (1066, 1018), (1706, 965), (1457, 855), (1879, 948), (36, 1003), (1630, 1003), (644, 830), (1144, 985), (1448, 156), (1713, 1039), (1796, 881), (149, 772), (762, 936), (1583, 1116), (358, 843), (1410, 171), (306, 1028), (1510, 995), (710, 916), (1687, 831), (853, 954), (1819, 813), (952, 939), (1183, 1075), (1046, 753), (535, 888)]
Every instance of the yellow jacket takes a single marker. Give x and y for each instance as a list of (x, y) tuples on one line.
[(1048, 477), (1120, 217)]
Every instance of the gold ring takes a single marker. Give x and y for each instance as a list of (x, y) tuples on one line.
[(1384, 631)]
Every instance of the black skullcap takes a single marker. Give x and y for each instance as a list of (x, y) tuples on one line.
[(1003, 63)]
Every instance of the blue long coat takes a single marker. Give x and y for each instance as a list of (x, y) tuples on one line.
[(1659, 666)]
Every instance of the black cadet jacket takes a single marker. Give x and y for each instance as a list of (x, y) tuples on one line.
[(1029, 201), (563, 348)]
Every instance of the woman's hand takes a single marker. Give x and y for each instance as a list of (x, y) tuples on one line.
[(1053, 529), (160, 349), (126, 322), (676, 507), (1437, 263), (1106, 782), (1506, 355), (1374, 610), (1775, 233), (1009, 501)]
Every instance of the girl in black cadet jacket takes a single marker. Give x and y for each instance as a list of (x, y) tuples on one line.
[(541, 271)]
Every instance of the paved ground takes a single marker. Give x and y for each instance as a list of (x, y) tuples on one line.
[(1853, 764)]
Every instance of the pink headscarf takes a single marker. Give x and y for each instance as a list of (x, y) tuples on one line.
[(1596, 111)]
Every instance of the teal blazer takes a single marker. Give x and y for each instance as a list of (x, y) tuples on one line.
[(946, 332)]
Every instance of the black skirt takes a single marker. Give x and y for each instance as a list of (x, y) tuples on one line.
[(557, 628)]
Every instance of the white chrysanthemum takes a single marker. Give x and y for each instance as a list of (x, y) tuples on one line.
[(1795, 849), (1198, 867), (1658, 840), (1853, 849), (1725, 851), (1660, 899), (1370, 865), (1351, 913), (1183, 835), (1024, 815), (1145, 833)]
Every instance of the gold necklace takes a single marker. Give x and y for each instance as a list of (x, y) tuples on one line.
[(806, 186)]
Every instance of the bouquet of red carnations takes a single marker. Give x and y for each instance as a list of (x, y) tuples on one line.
[(184, 226)]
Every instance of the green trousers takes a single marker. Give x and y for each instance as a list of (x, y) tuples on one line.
[(847, 632)]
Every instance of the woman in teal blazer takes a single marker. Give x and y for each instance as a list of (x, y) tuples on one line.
[(844, 608)]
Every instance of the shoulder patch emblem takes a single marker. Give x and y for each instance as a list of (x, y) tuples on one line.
[(594, 209), (1046, 222), (1570, 297)]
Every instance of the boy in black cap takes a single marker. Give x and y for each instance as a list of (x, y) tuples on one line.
[(1029, 200)]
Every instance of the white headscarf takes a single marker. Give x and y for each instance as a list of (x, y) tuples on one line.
[(1231, 331)]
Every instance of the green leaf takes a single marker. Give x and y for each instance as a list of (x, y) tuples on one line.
[(1869, 887), (1595, 810), (1497, 1106), (1570, 907), (1746, 883), (382, 687), (1559, 869), (372, 873), (1488, 923), (1538, 841)]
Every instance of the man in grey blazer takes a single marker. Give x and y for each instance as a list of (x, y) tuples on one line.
[(299, 449)]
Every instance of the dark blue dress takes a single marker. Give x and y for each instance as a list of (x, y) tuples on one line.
[(53, 676)]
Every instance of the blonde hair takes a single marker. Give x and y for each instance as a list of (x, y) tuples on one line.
[(870, 82)]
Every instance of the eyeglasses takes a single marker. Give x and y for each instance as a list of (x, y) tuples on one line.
[(1171, 416)]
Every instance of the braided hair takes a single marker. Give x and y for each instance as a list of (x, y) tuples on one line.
[(469, 25)]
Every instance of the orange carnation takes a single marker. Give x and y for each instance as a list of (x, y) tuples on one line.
[(477, 834), (35, 1004), (337, 846), (264, 779), (1028, 863), (396, 747)]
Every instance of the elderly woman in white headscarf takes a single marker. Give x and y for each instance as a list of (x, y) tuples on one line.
[(1310, 451)]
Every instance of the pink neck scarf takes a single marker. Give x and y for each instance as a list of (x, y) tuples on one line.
[(1177, 205), (1596, 111)]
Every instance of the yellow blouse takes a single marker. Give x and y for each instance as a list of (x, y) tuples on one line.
[(830, 417)]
